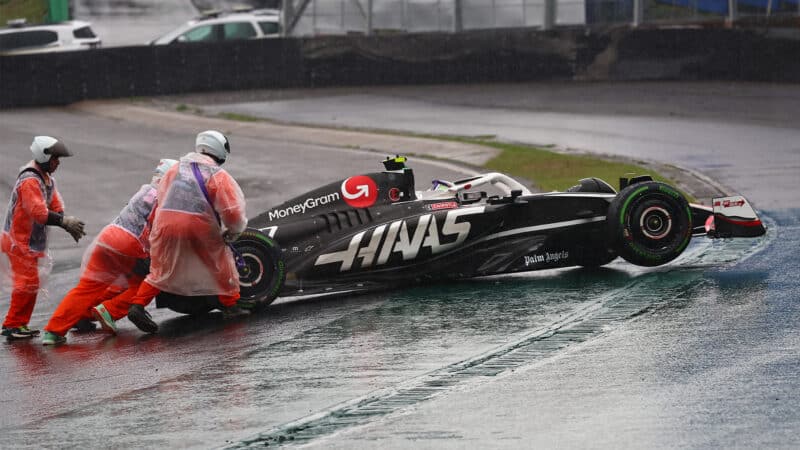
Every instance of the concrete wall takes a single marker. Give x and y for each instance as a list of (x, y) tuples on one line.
[(478, 56)]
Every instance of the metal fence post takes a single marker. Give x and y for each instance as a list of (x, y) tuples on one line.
[(287, 17), (549, 19), (524, 14), (404, 17), (369, 17), (638, 12), (733, 11), (458, 23), (314, 17), (438, 15)]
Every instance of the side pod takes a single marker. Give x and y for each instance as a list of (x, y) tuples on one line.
[(733, 217)]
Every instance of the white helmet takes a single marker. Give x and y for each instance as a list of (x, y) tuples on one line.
[(213, 143), (45, 147), (163, 166)]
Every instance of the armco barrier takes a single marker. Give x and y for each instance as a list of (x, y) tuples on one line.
[(475, 56)]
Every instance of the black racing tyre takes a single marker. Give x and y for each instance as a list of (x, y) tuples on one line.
[(195, 305), (264, 273), (649, 223)]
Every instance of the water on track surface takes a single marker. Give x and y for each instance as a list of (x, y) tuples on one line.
[(226, 381), (622, 299), (714, 368), (705, 364)]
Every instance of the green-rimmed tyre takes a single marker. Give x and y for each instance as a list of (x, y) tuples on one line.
[(649, 223), (262, 274)]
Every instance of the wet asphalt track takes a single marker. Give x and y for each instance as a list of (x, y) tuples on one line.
[(702, 353)]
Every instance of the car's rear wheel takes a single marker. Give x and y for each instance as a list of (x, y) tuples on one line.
[(194, 305), (649, 223), (261, 277), (261, 268)]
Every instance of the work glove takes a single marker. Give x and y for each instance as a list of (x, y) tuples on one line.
[(230, 237), (142, 319), (74, 227)]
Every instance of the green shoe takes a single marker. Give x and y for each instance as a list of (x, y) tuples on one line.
[(22, 332), (53, 339), (101, 314), (29, 331)]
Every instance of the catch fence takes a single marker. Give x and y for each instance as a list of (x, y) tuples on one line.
[(324, 17)]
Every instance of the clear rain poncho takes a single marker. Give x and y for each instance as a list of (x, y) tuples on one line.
[(188, 254), (122, 244)]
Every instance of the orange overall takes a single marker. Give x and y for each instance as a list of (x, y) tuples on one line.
[(24, 238), (188, 254), (109, 274)]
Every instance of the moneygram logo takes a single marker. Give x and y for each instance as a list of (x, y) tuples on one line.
[(359, 191)]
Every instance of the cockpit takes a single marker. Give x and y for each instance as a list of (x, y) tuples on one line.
[(443, 189)]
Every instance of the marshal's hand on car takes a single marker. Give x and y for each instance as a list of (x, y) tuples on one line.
[(230, 237)]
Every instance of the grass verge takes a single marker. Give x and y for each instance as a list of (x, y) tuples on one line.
[(35, 11), (554, 171)]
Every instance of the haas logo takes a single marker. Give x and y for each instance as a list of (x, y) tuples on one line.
[(360, 191)]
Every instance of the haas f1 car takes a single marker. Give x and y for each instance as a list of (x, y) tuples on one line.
[(374, 231)]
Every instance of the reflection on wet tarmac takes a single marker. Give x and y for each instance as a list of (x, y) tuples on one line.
[(329, 363)]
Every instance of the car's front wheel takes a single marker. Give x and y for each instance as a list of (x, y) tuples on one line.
[(649, 223)]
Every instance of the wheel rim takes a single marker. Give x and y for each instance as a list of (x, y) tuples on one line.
[(655, 223), (252, 272)]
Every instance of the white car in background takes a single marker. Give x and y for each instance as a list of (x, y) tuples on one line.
[(218, 26), (19, 38)]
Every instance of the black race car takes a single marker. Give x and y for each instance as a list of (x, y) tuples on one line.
[(375, 231)]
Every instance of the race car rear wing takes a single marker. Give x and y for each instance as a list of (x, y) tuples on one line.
[(726, 218)]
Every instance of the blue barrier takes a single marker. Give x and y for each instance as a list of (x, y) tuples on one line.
[(721, 6)]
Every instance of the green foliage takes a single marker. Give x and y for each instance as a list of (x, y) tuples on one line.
[(239, 117), (554, 171)]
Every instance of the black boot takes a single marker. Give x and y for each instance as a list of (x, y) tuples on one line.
[(233, 312), (142, 319), (85, 326)]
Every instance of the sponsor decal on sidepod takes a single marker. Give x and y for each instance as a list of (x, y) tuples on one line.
[(442, 205), (546, 258), (401, 238), (360, 191), (301, 208)]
